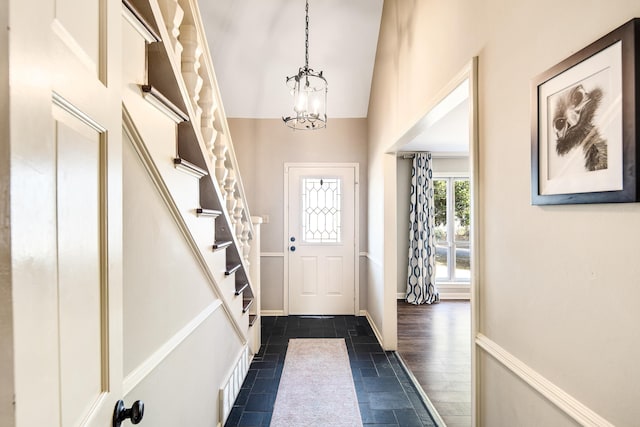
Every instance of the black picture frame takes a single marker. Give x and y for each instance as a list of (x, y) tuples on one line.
[(603, 166)]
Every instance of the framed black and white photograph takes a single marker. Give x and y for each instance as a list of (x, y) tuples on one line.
[(584, 133)]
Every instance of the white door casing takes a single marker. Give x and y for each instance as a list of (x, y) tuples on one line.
[(321, 218), (66, 211)]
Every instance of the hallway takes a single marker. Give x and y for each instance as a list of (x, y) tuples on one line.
[(386, 395)]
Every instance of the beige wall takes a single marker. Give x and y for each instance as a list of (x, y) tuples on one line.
[(558, 287), (6, 312), (262, 148)]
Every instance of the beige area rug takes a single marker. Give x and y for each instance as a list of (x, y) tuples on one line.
[(316, 387)]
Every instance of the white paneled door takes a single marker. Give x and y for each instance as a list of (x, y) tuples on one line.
[(67, 205), (320, 239)]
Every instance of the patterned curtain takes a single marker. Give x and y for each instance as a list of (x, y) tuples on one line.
[(421, 288)]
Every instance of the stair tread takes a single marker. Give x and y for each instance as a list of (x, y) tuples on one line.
[(151, 34), (242, 288), (208, 212), (222, 244), (154, 96), (246, 304), (189, 167), (231, 270)]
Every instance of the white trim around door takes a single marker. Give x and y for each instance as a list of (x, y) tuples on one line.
[(356, 213)]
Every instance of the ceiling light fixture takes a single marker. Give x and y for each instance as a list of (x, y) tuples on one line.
[(309, 91)]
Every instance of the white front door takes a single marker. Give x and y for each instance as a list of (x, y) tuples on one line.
[(67, 211), (321, 239)]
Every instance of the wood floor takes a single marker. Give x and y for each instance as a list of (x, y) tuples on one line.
[(435, 343)]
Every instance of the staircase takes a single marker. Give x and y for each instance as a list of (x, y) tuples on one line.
[(173, 114)]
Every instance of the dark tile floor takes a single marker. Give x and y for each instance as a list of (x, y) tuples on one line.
[(386, 395)]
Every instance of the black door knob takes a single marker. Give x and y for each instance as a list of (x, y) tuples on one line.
[(292, 248), (135, 413)]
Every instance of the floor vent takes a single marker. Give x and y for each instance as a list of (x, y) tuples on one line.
[(231, 387)]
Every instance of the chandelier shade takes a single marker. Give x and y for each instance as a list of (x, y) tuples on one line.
[(309, 91)]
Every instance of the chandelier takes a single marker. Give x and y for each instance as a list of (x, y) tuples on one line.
[(309, 91)]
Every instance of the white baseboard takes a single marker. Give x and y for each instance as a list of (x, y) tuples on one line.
[(281, 313), (565, 402), (457, 291), (271, 312), (373, 327), (448, 292), (455, 296)]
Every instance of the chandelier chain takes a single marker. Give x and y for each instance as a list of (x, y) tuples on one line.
[(306, 38), (309, 90)]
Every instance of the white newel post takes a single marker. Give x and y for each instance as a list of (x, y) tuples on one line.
[(254, 272)]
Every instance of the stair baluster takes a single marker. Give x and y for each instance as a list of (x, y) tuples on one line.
[(237, 217), (173, 15), (207, 106), (190, 64), (220, 152), (246, 246), (230, 187)]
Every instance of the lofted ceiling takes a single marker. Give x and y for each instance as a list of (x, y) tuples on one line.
[(256, 44)]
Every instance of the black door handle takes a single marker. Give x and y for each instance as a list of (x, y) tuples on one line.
[(135, 413), (292, 248)]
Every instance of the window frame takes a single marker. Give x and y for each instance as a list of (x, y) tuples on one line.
[(450, 178)]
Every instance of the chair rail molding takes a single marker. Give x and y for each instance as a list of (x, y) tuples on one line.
[(154, 360), (563, 400)]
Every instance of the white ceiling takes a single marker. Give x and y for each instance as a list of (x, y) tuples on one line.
[(445, 128), (256, 44)]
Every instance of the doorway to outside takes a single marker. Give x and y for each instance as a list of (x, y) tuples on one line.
[(320, 237)]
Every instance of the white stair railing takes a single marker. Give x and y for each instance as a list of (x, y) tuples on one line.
[(187, 39)]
